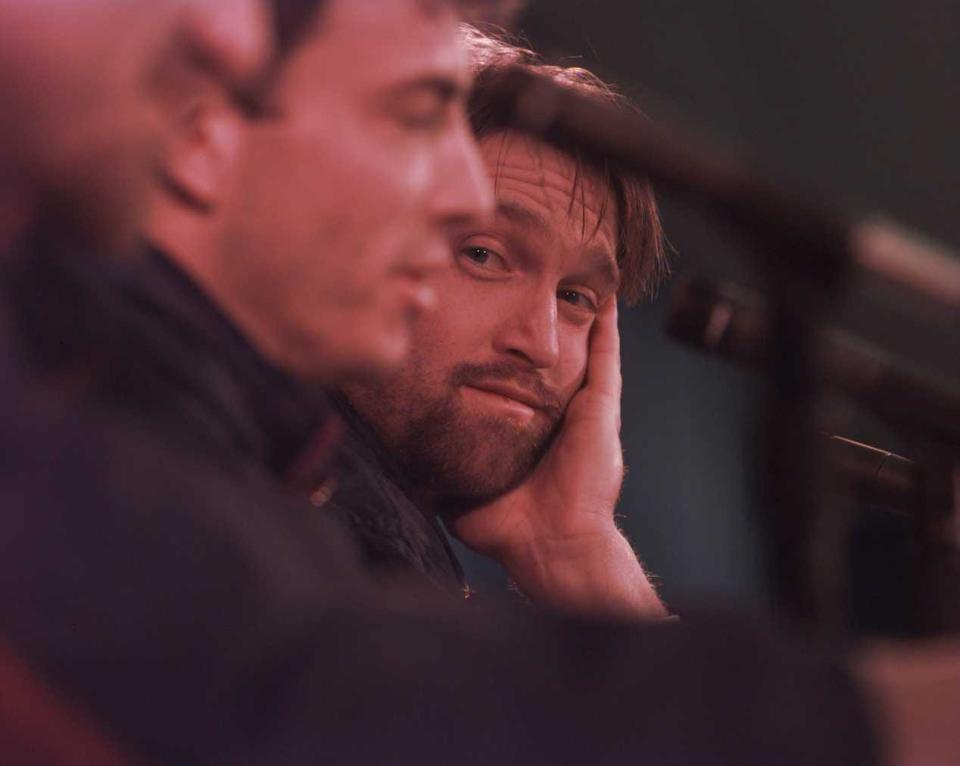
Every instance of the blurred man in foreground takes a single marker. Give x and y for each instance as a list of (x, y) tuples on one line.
[(89, 93), (504, 419), (287, 248), (313, 227)]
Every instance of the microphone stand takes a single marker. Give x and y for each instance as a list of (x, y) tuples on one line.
[(794, 472)]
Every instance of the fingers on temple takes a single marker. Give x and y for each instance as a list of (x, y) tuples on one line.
[(603, 374)]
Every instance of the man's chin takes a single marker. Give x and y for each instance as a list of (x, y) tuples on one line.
[(477, 471), (473, 492)]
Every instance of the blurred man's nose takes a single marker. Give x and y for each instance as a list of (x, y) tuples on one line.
[(460, 192), (463, 191), (529, 331)]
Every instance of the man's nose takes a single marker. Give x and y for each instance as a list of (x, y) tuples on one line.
[(530, 332), (463, 191), (460, 192)]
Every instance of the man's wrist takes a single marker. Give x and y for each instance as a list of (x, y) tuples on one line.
[(596, 572)]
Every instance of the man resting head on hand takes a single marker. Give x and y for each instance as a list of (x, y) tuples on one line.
[(504, 420)]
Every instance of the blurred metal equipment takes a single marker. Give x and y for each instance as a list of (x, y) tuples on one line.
[(731, 322)]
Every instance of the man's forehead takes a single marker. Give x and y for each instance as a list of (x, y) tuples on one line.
[(394, 41), (543, 184)]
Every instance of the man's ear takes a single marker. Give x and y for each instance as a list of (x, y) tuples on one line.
[(200, 160)]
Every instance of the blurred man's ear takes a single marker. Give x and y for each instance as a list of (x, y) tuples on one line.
[(203, 153)]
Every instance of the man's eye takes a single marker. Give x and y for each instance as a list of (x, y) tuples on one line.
[(423, 119), (424, 110), (479, 255), (483, 258), (577, 299), (429, 106)]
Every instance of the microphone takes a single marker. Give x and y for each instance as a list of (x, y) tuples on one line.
[(728, 322), (874, 476), (732, 323)]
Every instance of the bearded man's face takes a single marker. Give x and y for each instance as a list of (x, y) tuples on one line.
[(494, 366)]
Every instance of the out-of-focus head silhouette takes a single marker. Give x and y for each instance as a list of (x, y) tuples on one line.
[(316, 223), (88, 90)]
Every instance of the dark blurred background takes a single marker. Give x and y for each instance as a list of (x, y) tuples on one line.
[(849, 101)]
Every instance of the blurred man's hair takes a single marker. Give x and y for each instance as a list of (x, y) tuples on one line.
[(292, 19), (640, 247), (295, 20)]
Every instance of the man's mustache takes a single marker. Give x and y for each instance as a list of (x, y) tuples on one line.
[(476, 375)]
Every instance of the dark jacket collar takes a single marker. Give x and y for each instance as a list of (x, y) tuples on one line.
[(267, 414), (155, 345)]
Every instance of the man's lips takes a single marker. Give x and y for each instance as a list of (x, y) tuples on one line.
[(511, 391)]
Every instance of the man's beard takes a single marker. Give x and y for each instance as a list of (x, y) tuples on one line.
[(463, 459)]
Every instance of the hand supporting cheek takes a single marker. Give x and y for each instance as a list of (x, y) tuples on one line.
[(556, 534)]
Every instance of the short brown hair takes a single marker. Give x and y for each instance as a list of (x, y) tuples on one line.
[(640, 248)]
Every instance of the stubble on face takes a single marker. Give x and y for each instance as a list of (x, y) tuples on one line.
[(459, 450), (456, 457)]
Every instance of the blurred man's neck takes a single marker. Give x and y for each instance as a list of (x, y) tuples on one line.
[(188, 237)]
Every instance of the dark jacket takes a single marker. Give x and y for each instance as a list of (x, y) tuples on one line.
[(157, 567), (368, 492), (143, 339), (148, 342)]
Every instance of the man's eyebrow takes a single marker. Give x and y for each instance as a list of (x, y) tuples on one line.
[(597, 262), (604, 266), (445, 88), (522, 216)]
